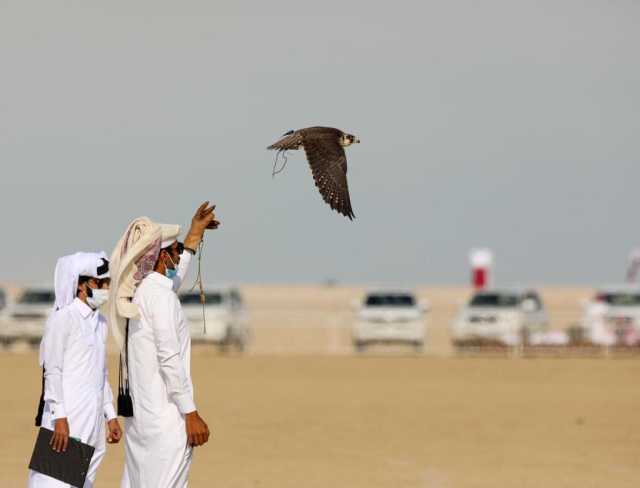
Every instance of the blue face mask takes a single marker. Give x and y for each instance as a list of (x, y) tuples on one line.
[(171, 273)]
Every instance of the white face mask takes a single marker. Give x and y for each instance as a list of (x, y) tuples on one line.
[(99, 298)]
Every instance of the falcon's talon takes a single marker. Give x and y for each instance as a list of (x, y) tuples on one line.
[(284, 156)]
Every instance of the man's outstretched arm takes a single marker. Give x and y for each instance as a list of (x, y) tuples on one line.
[(203, 219)]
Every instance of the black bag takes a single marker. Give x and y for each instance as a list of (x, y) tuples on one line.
[(125, 403), (69, 467)]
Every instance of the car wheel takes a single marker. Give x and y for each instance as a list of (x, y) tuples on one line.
[(418, 347), (359, 346)]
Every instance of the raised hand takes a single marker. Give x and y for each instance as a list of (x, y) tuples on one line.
[(204, 219)]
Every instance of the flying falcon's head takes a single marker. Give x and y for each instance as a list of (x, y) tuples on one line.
[(348, 139)]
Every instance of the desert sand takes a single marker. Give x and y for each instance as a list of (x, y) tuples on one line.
[(368, 422), (301, 411)]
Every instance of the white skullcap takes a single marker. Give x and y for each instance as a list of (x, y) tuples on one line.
[(170, 234)]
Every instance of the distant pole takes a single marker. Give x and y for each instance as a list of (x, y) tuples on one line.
[(634, 265), (481, 261)]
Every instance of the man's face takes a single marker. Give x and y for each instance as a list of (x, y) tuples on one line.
[(174, 252), (95, 283)]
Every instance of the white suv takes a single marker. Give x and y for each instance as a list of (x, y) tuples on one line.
[(499, 317), (612, 317), (27, 316), (225, 314), (389, 317)]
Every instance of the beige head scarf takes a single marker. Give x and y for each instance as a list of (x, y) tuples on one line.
[(132, 260)]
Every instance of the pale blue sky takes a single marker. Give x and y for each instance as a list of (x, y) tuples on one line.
[(506, 124)]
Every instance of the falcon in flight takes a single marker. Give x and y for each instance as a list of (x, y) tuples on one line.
[(324, 147)]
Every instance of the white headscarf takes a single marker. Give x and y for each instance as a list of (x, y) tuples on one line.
[(70, 268), (132, 260)]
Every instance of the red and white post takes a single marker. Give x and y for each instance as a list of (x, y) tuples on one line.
[(481, 261)]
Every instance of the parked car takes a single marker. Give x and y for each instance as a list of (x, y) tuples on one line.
[(4, 321), (226, 317), (499, 317), (388, 317), (27, 316), (612, 316)]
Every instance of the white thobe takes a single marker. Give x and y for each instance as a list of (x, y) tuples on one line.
[(76, 384), (156, 451)]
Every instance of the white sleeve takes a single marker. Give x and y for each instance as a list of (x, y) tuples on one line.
[(54, 346), (183, 269), (109, 411), (164, 317), (107, 394)]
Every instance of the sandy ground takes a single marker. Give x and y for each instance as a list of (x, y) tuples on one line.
[(385, 422), (301, 411)]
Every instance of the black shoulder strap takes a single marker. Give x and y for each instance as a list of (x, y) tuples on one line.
[(41, 404), (125, 404)]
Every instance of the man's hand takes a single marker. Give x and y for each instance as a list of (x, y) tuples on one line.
[(60, 439), (197, 430), (203, 219), (115, 432)]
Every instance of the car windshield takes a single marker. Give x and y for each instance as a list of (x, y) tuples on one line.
[(620, 299), (194, 299), (390, 300), (37, 297), (498, 300)]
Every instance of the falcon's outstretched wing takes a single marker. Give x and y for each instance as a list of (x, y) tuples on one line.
[(329, 168)]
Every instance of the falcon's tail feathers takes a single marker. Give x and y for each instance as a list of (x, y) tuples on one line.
[(291, 140)]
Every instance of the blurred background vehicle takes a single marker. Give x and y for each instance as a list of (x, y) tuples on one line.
[(612, 316), (500, 317), (225, 314), (25, 318), (4, 323), (390, 317)]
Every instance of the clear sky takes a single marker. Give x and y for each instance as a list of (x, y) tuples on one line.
[(509, 124)]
